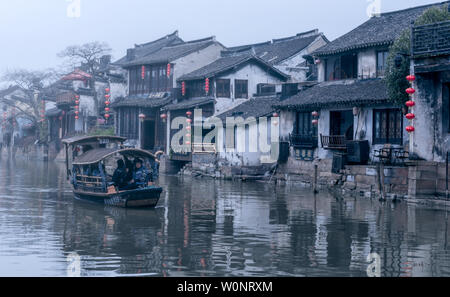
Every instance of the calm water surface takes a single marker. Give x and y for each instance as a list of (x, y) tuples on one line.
[(210, 228)]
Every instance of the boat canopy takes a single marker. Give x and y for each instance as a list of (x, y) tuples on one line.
[(96, 155), (81, 140)]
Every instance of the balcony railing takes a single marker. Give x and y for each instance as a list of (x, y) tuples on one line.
[(334, 142), (431, 40), (303, 141)]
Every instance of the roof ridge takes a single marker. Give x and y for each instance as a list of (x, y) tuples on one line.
[(211, 38), (154, 41), (303, 35), (413, 8)]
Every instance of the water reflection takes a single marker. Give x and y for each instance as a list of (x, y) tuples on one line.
[(211, 228)]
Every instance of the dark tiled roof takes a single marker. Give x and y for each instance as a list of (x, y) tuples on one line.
[(255, 107), (146, 102), (278, 50), (190, 103), (377, 31), (228, 63), (170, 53), (8, 90), (343, 93), (146, 49), (54, 112)]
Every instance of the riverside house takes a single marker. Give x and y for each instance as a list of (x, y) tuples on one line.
[(244, 83), (431, 139), (348, 112), (153, 69)]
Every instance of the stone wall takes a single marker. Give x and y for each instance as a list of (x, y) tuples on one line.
[(427, 178)]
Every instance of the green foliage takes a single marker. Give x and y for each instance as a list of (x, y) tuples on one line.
[(97, 131), (434, 15), (396, 77)]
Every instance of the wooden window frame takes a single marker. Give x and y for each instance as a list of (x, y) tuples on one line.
[(221, 86), (238, 86), (388, 139)]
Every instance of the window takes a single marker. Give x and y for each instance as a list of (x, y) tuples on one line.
[(381, 62), (241, 88), (266, 89), (305, 133), (387, 126), (223, 88), (343, 67)]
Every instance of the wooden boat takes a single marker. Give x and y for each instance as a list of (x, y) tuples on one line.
[(89, 175)]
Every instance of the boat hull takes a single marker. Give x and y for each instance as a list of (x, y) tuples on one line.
[(139, 198)]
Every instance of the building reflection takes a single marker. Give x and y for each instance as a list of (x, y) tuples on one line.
[(221, 228)]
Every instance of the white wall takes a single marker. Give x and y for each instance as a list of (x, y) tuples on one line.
[(254, 74), (196, 60), (290, 65)]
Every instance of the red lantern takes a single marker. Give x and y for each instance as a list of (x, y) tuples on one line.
[(183, 88), (77, 112), (107, 90), (143, 72), (77, 107), (410, 116), (189, 113), (142, 116), (207, 85), (77, 97), (188, 135), (189, 121), (107, 116), (163, 116), (168, 70), (410, 91), (410, 129), (315, 114), (188, 128), (77, 102), (107, 103), (410, 103), (315, 122), (275, 115), (60, 118), (411, 78), (77, 117), (188, 142), (107, 96), (107, 109)]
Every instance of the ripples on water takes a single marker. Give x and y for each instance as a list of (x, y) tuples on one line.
[(210, 228)]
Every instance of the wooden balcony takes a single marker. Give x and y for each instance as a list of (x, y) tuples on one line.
[(303, 141), (334, 142), (431, 40)]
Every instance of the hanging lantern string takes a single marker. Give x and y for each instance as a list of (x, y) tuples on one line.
[(410, 104)]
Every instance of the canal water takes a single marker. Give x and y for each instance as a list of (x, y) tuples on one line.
[(204, 227)]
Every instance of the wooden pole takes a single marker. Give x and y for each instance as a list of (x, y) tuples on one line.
[(316, 169), (380, 181)]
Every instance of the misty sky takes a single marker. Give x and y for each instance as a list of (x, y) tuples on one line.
[(34, 31)]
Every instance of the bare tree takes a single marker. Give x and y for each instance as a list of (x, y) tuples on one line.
[(29, 103), (88, 57)]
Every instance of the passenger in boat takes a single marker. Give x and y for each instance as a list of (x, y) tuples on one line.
[(129, 170), (95, 171), (140, 174), (120, 174)]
